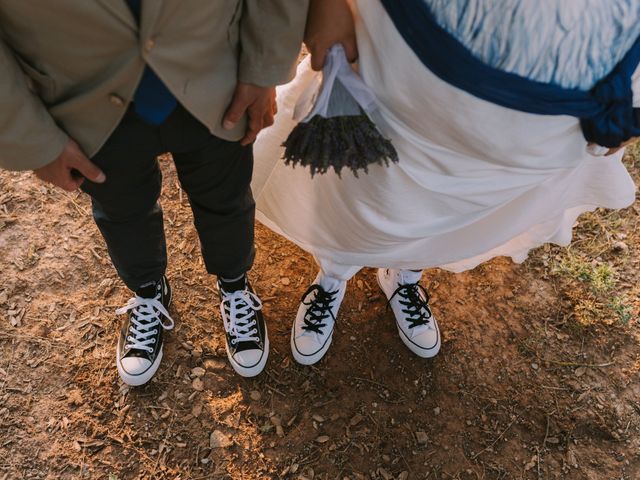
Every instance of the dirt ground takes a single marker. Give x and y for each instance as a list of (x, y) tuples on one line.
[(538, 377)]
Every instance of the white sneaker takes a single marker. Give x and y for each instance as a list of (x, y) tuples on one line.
[(313, 327), (417, 326), (247, 341)]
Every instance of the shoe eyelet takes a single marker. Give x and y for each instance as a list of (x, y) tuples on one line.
[(153, 340)]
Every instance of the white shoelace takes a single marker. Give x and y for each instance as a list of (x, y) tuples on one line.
[(146, 316), (238, 313)]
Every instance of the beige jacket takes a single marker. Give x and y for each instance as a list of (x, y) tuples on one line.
[(68, 68)]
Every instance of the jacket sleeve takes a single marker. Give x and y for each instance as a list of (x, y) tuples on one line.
[(271, 33), (29, 137)]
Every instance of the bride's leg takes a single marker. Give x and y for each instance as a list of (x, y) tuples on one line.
[(313, 327), (409, 301)]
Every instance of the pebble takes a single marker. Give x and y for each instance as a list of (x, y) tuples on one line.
[(422, 437), (197, 384), (255, 395), (620, 247), (217, 439)]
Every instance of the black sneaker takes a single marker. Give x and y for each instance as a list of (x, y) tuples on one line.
[(247, 342), (139, 350)]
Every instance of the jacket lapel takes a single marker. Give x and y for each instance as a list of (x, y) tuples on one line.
[(120, 9), (150, 11)]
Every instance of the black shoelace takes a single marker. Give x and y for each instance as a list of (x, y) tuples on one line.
[(319, 308), (416, 307)]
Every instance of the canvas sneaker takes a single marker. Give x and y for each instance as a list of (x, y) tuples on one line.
[(139, 349), (247, 342), (409, 302), (313, 327)]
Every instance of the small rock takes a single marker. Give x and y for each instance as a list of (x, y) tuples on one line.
[(422, 437), (384, 474), (277, 422), (196, 410), (535, 366), (403, 475), (620, 247), (255, 395), (197, 384), (355, 420), (532, 463), (322, 439), (436, 411), (553, 440), (74, 397), (318, 418), (285, 281), (580, 371), (198, 372), (219, 440)]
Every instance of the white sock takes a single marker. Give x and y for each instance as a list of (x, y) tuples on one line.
[(330, 284), (409, 276)]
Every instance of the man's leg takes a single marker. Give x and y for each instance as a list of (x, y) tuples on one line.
[(126, 207), (216, 175), (129, 217)]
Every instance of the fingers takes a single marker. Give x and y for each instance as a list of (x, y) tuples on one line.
[(318, 57), (351, 49), (86, 168), (70, 183), (256, 120), (236, 111)]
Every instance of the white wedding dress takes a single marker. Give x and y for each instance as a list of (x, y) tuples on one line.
[(474, 181)]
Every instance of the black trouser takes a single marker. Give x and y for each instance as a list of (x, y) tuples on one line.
[(215, 174)]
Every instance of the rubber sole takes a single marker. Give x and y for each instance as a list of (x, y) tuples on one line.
[(138, 380), (309, 359), (249, 372)]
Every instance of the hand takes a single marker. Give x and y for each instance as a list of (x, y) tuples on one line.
[(330, 22), (611, 151), (259, 103), (70, 169), (631, 141)]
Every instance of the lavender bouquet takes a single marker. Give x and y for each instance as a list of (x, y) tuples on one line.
[(338, 132)]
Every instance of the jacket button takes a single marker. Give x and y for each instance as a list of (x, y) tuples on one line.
[(149, 45), (116, 100)]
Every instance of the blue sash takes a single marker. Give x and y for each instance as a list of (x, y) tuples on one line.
[(606, 112)]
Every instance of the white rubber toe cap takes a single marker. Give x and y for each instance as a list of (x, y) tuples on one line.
[(248, 358), (135, 365)]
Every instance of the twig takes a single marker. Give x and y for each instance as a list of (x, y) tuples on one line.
[(578, 364), (495, 441)]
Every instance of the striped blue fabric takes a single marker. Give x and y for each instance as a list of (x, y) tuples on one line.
[(606, 111)]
